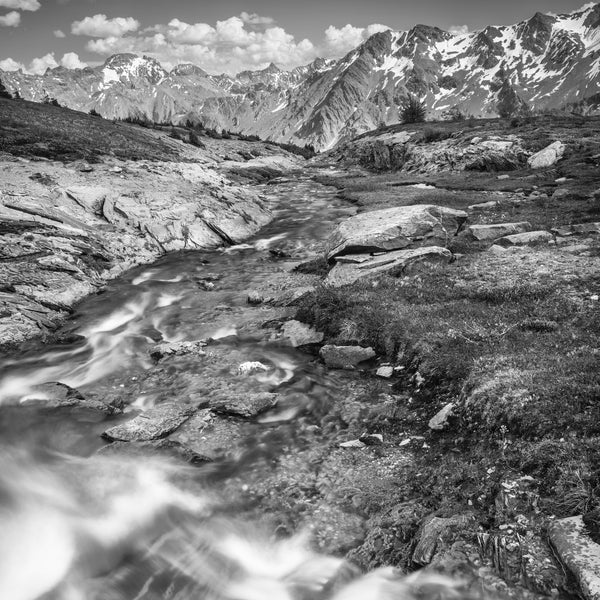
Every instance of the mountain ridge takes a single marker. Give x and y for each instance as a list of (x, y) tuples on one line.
[(547, 62)]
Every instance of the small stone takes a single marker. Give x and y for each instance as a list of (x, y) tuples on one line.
[(353, 444), (250, 367), (501, 177), (385, 372)]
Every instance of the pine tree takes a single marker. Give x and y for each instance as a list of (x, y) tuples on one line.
[(413, 110)]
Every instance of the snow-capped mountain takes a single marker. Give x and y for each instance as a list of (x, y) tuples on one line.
[(546, 62)]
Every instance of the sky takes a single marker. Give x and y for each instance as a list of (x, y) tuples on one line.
[(228, 35)]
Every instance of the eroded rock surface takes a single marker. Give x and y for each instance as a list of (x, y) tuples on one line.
[(395, 229)]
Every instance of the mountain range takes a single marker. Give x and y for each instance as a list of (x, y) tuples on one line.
[(547, 62)]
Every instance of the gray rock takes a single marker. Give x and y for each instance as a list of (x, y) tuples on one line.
[(437, 532), (525, 239), (299, 334), (440, 420), (178, 349), (153, 424), (503, 177), (244, 405), (385, 372), (395, 229), (547, 157), (484, 205), (345, 357), (578, 553), (494, 231), (352, 267), (209, 436), (561, 193), (56, 395)]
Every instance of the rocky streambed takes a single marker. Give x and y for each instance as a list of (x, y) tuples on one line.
[(184, 411)]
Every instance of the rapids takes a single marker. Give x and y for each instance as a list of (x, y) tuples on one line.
[(82, 525)]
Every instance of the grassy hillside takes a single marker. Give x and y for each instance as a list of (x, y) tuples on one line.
[(31, 129)]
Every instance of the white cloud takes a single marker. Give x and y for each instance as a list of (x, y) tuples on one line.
[(247, 41), (31, 5), (9, 64), (339, 41), (38, 66), (254, 19), (71, 61), (59, 34), (103, 27), (12, 19), (459, 29)]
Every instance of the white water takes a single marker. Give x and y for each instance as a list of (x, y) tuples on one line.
[(116, 526)]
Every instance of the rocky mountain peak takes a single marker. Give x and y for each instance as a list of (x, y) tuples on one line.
[(187, 70)]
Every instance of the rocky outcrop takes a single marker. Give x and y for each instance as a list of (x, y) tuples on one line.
[(395, 229), (64, 232)]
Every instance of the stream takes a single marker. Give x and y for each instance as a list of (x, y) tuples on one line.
[(81, 522)]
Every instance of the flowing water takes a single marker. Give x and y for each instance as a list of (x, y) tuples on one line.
[(77, 524)]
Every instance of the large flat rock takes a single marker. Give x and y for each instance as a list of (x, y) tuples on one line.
[(395, 229), (578, 553), (493, 231), (351, 267), (152, 424)]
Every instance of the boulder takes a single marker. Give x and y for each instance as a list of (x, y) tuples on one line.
[(345, 357), (491, 232), (244, 405), (152, 424), (440, 420), (525, 239), (561, 193), (299, 334), (395, 229), (547, 157), (578, 553), (351, 267)]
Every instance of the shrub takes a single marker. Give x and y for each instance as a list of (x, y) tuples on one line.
[(413, 110), (4, 93), (51, 101), (430, 134), (195, 140), (95, 113), (453, 114)]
